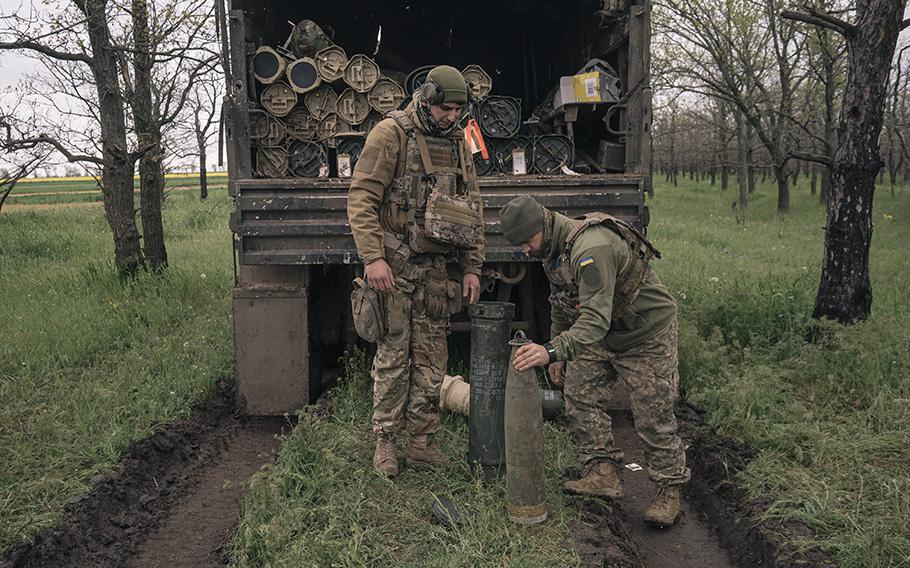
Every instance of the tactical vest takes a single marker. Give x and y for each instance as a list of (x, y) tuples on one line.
[(630, 277), (433, 186)]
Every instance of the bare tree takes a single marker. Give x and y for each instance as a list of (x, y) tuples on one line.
[(895, 140), (169, 52), (203, 106), (99, 57), (721, 50), (845, 291), (141, 53)]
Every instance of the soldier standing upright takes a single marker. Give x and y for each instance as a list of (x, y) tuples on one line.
[(611, 317), (413, 204)]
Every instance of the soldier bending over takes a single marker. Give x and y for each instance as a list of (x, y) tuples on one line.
[(612, 317)]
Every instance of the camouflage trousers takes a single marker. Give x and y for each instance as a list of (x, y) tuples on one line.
[(411, 359), (650, 375)]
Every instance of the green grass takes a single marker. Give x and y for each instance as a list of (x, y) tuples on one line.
[(830, 419), (90, 362), (322, 505)]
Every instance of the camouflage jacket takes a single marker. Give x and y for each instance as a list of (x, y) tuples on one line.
[(375, 206), (593, 270)]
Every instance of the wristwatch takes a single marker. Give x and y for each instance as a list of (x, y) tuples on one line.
[(551, 351)]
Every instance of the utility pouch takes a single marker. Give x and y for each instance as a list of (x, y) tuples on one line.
[(367, 312), (452, 219), (455, 297), (436, 296)]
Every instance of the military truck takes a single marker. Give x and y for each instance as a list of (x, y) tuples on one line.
[(295, 258)]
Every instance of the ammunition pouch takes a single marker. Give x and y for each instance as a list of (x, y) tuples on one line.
[(367, 311)]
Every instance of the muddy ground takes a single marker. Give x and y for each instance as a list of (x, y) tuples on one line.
[(180, 490)]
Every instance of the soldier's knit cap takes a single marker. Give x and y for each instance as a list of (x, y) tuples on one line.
[(521, 219), (451, 82)]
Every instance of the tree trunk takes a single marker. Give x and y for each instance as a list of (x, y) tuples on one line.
[(743, 173), (203, 175), (117, 171), (151, 170), (724, 177), (845, 290), (830, 114), (783, 188), (813, 181)]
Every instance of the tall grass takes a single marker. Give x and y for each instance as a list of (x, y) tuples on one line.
[(827, 407), (90, 362)]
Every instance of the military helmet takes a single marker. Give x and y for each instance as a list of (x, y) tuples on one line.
[(444, 84)]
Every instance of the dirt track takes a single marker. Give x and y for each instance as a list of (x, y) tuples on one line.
[(175, 499), (178, 490)]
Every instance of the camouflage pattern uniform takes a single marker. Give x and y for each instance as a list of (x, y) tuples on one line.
[(602, 345), (411, 359)]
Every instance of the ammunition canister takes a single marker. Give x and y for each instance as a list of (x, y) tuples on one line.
[(268, 66), (491, 323), (302, 75), (455, 395)]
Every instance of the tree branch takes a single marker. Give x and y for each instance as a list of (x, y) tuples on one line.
[(26, 143), (44, 50), (823, 160), (821, 19)]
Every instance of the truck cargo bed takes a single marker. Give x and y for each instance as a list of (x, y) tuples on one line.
[(304, 221)]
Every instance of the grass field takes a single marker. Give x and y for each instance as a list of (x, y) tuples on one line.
[(88, 184), (830, 419), (88, 363), (321, 505)]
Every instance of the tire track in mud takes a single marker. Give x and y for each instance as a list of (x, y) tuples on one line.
[(177, 491), (198, 528), (690, 542)]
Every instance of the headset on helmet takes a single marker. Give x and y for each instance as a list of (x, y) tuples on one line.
[(430, 92)]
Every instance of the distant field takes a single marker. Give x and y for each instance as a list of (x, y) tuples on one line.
[(88, 184)]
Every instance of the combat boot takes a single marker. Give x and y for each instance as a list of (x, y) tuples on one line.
[(600, 478), (424, 452), (385, 459), (664, 508)]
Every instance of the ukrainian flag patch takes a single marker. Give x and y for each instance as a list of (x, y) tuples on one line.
[(585, 261)]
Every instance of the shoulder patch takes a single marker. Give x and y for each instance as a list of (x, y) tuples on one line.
[(585, 261)]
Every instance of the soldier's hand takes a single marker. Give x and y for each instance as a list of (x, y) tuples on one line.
[(530, 355), (379, 276), (557, 372), (471, 287)]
